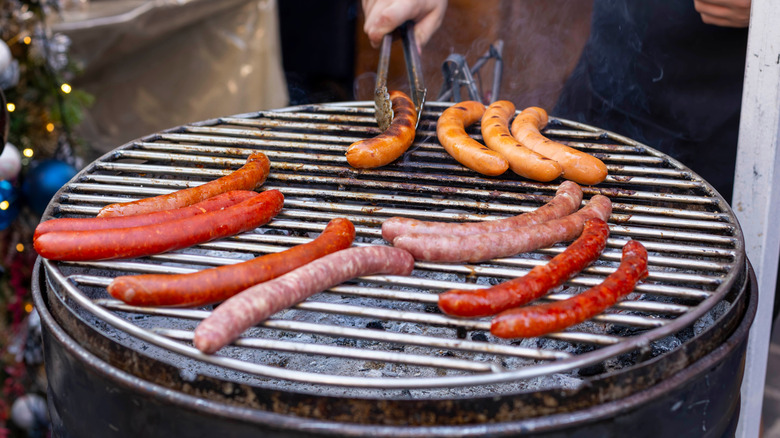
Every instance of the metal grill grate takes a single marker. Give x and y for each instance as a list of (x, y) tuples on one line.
[(385, 331)]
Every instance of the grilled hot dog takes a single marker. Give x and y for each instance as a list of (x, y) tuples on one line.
[(249, 177), (522, 161), (546, 318), (101, 223), (391, 144), (218, 284), (157, 238), (451, 132), (577, 165), (523, 290)]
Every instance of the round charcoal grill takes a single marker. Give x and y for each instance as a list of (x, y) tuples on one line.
[(374, 355)]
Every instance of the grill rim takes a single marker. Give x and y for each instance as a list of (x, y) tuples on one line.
[(633, 343)]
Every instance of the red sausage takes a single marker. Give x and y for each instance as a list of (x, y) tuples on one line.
[(530, 321), (249, 177), (259, 302), (523, 290), (101, 223), (567, 199), (218, 284), (391, 144), (157, 238), (480, 247)]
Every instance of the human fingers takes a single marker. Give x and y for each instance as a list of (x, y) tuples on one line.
[(725, 13), (384, 16)]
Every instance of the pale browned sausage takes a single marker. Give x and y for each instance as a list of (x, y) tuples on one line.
[(480, 247), (566, 201), (451, 132), (259, 302), (522, 161), (391, 144), (577, 166)]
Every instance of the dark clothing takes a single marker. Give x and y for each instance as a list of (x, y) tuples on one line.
[(654, 72)]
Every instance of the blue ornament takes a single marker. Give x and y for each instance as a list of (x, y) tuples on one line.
[(43, 180), (9, 205)]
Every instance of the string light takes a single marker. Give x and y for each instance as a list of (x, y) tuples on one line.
[(50, 127), (19, 247), (10, 107), (27, 40), (4, 205), (28, 307), (66, 88), (28, 152)]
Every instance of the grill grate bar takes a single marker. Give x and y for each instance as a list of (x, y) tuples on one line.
[(642, 306), (341, 159), (345, 352), (356, 333), (383, 336), (469, 203)]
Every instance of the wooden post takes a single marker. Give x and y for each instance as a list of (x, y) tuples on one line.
[(757, 194)]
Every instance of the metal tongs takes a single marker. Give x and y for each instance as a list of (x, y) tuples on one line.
[(382, 104)]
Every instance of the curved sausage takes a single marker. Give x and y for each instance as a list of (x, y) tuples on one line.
[(218, 284), (523, 290), (530, 321), (577, 166), (567, 199), (391, 144), (157, 238), (451, 132), (480, 247), (522, 161), (249, 177), (101, 223), (259, 302)]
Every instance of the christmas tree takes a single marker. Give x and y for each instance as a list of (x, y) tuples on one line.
[(39, 155)]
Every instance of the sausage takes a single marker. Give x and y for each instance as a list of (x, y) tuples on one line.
[(259, 302), (101, 223), (451, 132), (249, 177), (523, 290), (577, 166), (522, 161), (530, 321), (218, 284), (157, 238), (480, 247), (567, 199), (391, 144)]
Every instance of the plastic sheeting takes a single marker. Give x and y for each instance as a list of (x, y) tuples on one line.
[(153, 65)]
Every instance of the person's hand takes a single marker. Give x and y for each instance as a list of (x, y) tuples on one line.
[(726, 13), (383, 16)]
